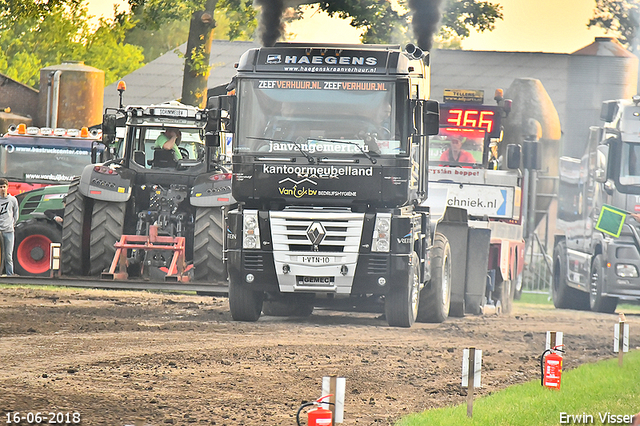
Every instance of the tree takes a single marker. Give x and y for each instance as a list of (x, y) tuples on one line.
[(621, 17), (384, 24), (34, 38)]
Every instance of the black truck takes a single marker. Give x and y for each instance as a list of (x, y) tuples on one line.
[(330, 163)]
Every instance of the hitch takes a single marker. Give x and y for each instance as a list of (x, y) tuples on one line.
[(177, 271)]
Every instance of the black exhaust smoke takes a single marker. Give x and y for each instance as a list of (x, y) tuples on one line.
[(425, 20), (271, 26)]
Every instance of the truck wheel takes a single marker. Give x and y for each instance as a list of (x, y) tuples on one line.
[(33, 241), (505, 292), (401, 302), (208, 256), (74, 256), (435, 303), (598, 302), (293, 306), (565, 297), (245, 304), (107, 221)]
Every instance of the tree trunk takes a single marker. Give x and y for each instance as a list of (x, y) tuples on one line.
[(196, 64)]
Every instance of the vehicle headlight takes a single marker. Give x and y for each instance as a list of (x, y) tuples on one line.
[(626, 271), (381, 236), (250, 230)]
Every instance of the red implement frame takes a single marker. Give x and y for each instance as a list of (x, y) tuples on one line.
[(176, 272)]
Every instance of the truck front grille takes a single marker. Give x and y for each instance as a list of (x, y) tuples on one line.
[(342, 231), (252, 262), (378, 265)]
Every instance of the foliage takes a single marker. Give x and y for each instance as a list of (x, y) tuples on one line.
[(384, 24), (621, 17), (30, 41)]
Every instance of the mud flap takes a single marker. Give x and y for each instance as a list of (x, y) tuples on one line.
[(469, 261), (478, 243), (453, 225)]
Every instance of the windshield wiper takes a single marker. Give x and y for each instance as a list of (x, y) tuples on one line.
[(306, 154), (366, 154)]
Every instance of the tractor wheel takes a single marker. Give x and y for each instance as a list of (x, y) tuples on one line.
[(32, 246), (208, 245), (597, 301), (401, 303), (74, 256), (245, 304), (107, 221), (435, 303)]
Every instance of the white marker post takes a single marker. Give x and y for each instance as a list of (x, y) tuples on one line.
[(554, 338), (471, 370), (621, 340), (335, 386)]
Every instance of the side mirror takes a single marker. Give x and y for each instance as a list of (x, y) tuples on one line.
[(531, 155), (514, 155), (212, 139), (431, 118), (108, 128), (216, 108), (600, 172)]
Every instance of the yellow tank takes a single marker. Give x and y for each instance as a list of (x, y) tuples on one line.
[(71, 96)]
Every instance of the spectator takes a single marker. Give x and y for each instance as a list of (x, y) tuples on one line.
[(8, 218), (456, 155), (170, 140)]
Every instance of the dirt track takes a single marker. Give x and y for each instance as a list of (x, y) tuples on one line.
[(120, 357)]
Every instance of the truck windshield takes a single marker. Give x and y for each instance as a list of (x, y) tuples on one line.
[(630, 164), (43, 159), (457, 147), (320, 116)]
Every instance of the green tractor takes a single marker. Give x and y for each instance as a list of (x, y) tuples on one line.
[(39, 225)]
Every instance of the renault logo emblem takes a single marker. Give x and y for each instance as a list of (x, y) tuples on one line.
[(316, 233)]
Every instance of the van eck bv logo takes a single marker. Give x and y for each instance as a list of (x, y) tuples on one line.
[(319, 60), (405, 240), (604, 418)]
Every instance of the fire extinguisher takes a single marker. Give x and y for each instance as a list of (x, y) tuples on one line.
[(318, 416), (551, 368)]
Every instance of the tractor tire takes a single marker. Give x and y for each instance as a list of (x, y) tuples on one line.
[(107, 221), (245, 304), (32, 246), (435, 303), (74, 256), (208, 245), (401, 302), (598, 302), (565, 297)]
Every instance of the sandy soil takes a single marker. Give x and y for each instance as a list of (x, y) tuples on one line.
[(137, 358)]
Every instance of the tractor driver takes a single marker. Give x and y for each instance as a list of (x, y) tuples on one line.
[(170, 140)]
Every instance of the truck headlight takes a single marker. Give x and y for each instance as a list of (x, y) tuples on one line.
[(381, 236), (250, 230), (626, 271)]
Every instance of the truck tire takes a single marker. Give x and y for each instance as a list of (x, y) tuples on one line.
[(565, 297), (107, 221), (435, 303), (208, 245), (401, 302), (505, 294), (74, 256), (598, 302), (245, 304), (32, 246)]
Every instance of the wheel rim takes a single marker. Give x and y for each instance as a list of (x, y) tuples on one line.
[(593, 293), (446, 282), (415, 293), (33, 254)]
